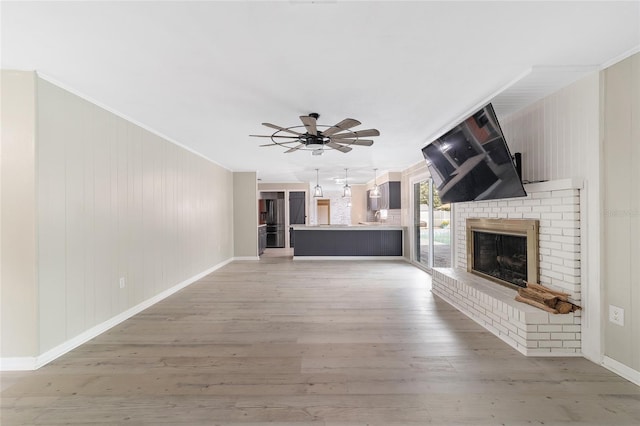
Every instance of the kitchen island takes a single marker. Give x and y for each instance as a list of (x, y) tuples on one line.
[(348, 241)]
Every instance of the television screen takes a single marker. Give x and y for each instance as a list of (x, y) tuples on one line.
[(472, 162)]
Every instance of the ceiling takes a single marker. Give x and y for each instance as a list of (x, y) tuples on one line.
[(206, 74)]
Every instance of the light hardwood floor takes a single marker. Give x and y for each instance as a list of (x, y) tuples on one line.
[(312, 343)]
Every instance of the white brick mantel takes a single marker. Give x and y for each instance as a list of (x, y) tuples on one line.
[(556, 205)]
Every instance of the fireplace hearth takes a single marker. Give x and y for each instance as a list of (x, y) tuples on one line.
[(503, 250)]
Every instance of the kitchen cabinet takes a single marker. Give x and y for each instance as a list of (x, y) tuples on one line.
[(394, 195), (355, 240), (390, 197)]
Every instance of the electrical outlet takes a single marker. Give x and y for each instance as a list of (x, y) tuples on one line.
[(123, 282), (616, 315)]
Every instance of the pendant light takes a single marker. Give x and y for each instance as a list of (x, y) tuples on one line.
[(317, 192), (375, 192), (346, 193)]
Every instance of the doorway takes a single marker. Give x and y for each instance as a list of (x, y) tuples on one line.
[(297, 212), (431, 227), (324, 212)]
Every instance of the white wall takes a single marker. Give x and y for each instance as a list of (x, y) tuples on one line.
[(18, 275), (115, 200), (558, 135), (118, 201), (621, 205), (245, 214)]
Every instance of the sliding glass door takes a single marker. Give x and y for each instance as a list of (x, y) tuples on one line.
[(421, 220), (432, 230)]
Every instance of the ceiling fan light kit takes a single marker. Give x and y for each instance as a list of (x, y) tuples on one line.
[(318, 137)]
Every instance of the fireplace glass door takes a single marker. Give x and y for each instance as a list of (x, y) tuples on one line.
[(431, 227), (501, 256)]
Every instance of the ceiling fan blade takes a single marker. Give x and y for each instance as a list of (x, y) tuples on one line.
[(363, 142), (340, 148), (345, 124), (358, 134), (273, 126), (280, 143), (274, 136), (295, 148), (310, 124)]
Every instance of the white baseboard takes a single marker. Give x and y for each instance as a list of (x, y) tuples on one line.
[(621, 370), (246, 258), (18, 363), (33, 363)]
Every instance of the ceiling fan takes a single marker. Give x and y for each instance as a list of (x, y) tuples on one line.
[(317, 137)]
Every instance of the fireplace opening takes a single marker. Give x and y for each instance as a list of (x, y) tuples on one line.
[(501, 256), (503, 250)]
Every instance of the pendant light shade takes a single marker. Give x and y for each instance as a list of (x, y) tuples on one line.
[(317, 191), (375, 192), (346, 193)]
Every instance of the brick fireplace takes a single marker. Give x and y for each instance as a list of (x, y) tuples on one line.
[(552, 207)]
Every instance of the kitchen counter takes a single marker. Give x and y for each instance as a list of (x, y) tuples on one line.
[(359, 227), (348, 241)]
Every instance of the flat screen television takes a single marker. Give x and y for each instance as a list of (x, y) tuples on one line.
[(472, 162)]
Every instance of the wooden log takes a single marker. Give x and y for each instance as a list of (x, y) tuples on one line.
[(564, 307), (556, 300), (542, 297), (536, 304), (561, 295)]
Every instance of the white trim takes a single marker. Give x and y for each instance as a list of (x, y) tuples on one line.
[(590, 285), (246, 258), (555, 185), (621, 57), (33, 363), (621, 370), (126, 117), (413, 179), (18, 363), (350, 258)]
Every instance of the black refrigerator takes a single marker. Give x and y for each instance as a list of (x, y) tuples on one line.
[(275, 223)]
